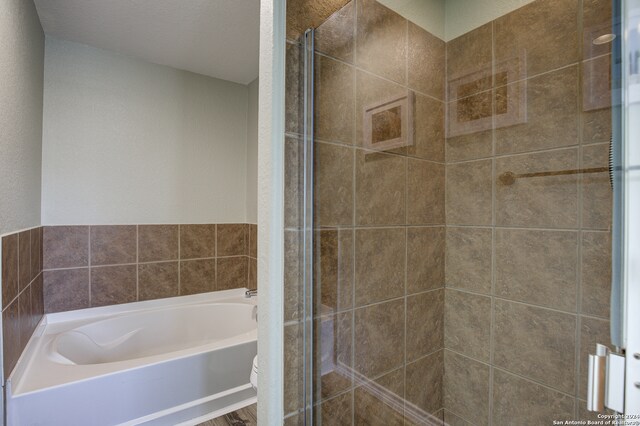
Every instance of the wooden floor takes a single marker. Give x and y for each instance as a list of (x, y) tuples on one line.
[(244, 416)]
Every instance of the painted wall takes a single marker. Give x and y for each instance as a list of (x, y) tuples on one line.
[(448, 19), (428, 14), (464, 15), (126, 141), (252, 154), (21, 69)]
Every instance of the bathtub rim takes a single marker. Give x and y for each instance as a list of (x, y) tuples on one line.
[(89, 315)]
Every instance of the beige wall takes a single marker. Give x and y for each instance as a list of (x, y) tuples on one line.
[(21, 70), (126, 141), (463, 16)]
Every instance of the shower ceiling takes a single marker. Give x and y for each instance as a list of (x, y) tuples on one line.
[(218, 38)]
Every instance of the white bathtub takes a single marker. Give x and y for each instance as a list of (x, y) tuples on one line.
[(172, 361)]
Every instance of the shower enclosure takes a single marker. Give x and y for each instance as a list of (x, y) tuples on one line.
[(449, 209)]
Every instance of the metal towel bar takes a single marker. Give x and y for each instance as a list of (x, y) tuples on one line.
[(509, 178)]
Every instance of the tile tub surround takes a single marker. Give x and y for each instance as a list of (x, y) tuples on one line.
[(22, 292), (88, 266), (379, 221)]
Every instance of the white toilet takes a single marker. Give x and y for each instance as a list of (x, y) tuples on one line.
[(254, 373)]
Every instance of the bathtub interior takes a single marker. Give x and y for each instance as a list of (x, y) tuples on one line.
[(80, 345)]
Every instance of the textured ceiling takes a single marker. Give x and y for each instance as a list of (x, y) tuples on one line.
[(218, 38)]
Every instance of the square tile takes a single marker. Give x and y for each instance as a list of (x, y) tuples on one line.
[(425, 325), (333, 185), (527, 338), (551, 105), (230, 239), (467, 319), (11, 337), (381, 40), (518, 401), (547, 30), (468, 258), (66, 290), (9, 269), (424, 382), (157, 243), (112, 285), (540, 201), (197, 241), (425, 192), (24, 259), (65, 246), (597, 195), (373, 404), (335, 36), (379, 331), (231, 272), (380, 264), (380, 188), (426, 62), (197, 276), (425, 258), (334, 100), (469, 193), (36, 252), (469, 61), (538, 267), (157, 280), (466, 387), (333, 269), (596, 273), (113, 244)]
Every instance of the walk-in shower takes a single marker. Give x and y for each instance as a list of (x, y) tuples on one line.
[(449, 211)]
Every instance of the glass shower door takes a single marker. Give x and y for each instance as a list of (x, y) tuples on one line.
[(449, 259)]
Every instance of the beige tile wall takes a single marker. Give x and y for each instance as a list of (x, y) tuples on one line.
[(527, 264), (379, 219), (22, 299), (87, 266)]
